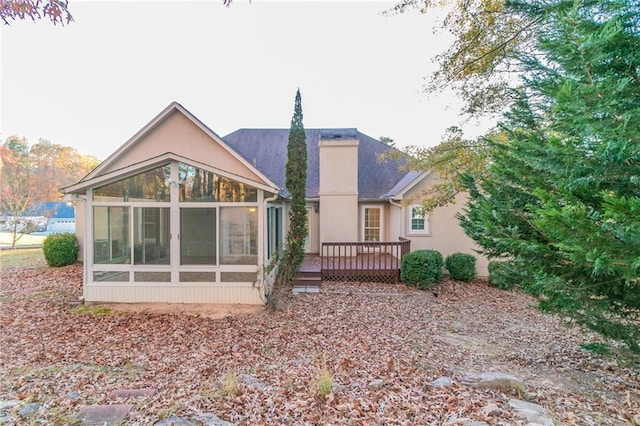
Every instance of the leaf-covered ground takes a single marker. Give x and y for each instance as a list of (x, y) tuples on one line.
[(378, 346)]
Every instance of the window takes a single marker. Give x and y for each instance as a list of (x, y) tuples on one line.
[(419, 219), (111, 235), (372, 224), (274, 230), (152, 185), (151, 241), (238, 236), (197, 185), (177, 222)]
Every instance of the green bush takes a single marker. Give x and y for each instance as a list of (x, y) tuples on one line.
[(60, 249), (461, 266), (503, 275), (421, 268)]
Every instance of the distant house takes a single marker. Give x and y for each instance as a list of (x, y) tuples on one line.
[(180, 214), (57, 216)]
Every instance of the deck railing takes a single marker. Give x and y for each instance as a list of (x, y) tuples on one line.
[(363, 261)]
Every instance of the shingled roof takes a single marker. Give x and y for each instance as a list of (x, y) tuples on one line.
[(266, 149)]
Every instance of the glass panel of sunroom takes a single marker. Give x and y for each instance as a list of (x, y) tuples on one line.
[(198, 236), (111, 235), (239, 235), (198, 185), (152, 185), (151, 241)]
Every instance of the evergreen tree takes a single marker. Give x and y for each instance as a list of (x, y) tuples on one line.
[(296, 183), (562, 196)]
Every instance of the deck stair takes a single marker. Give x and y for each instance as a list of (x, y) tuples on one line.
[(309, 276)]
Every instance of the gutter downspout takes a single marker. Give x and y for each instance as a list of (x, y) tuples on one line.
[(402, 222)]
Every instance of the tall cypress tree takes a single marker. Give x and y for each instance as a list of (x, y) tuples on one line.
[(296, 183), (562, 197)]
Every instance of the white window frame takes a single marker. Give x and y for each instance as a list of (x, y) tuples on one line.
[(411, 217), (175, 268)]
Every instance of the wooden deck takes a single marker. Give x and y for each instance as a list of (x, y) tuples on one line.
[(358, 261), (311, 263)]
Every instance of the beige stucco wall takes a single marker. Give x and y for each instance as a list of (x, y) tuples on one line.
[(394, 222), (339, 218), (313, 239), (445, 233), (179, 135), (339, 210)]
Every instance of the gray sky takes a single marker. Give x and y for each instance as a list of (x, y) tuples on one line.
[(94, 83)]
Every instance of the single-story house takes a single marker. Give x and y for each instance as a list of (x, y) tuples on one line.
[(179, 214), (56, 216)]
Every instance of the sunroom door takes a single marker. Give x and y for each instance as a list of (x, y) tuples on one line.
[(198, 236), (217, 226)]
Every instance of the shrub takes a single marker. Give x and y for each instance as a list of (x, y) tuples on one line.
[(461, 266), (421, 268), (60, 249), (503, 275)]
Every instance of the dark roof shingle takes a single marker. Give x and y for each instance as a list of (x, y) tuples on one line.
[(266, 149)]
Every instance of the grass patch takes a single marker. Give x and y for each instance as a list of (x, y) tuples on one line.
[(131, 370), (230, 387), (624, 357), (6, 238), (21, 257), (597, 348), (42, 295), (91, 310), (324, 384)]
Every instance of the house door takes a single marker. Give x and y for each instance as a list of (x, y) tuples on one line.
[(371, 223), (198, 236)]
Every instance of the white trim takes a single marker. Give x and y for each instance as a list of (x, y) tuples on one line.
[(151, 163), (399, 195), (362, 220), (427, 224), (174, 267)]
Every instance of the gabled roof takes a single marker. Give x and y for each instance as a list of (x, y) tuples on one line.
[(266, 150), (155, 122), (410, 180)]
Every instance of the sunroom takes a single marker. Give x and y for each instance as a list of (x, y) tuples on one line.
[(175, 233), (160, 226)]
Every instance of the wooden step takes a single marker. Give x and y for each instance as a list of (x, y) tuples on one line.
[(309, 276), (307, 281)]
